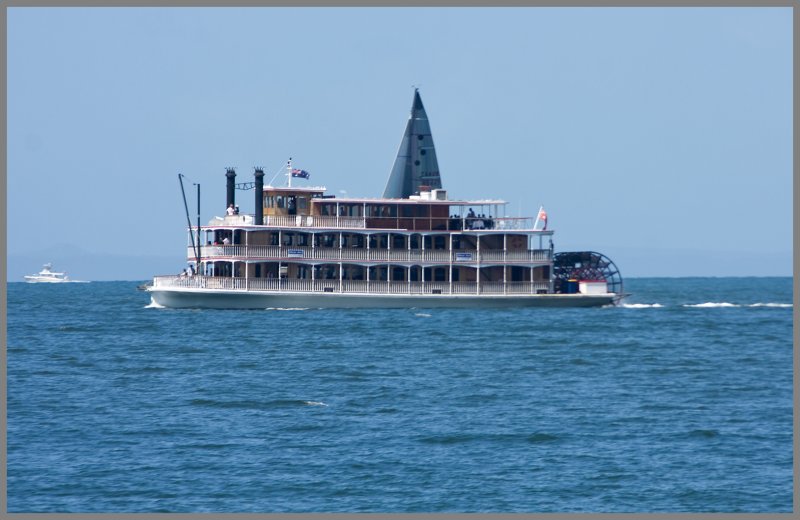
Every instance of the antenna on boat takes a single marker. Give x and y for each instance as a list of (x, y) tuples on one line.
[(275, 176)]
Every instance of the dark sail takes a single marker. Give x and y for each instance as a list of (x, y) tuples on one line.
[(416, 163)]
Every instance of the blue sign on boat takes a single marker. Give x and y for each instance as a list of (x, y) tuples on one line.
[(463, 257), (296, 253)]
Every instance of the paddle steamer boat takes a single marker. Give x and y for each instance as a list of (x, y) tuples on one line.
[(413, 247)]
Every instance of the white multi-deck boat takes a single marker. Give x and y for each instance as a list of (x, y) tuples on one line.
[(46, 275), (414, 247)]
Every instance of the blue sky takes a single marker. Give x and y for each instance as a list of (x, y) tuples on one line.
[(659, 137)]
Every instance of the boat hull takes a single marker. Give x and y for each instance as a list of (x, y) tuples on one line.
[(219, 299), (41, 279)]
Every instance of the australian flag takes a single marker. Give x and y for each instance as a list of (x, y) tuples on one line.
[(300, 173)]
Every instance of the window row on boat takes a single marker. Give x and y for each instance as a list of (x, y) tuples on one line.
[(452, 223), (340, 240), (436, 256), (381, 273)]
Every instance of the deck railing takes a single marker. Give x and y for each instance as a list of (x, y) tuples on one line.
[(380, 222), (347, 254), (345, 286)]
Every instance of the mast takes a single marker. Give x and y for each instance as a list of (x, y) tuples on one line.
[(415, 164), (189, 220)]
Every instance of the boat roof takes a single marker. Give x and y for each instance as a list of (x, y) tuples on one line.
[(310, 189)]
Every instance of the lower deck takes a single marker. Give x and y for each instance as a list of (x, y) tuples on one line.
[(245, 293), (332, 285)]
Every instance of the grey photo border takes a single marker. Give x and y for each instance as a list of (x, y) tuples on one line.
[(377, 3)]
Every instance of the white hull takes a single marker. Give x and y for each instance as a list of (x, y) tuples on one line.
[(48, 276), (40, 279), (49, 279), (219, 299)]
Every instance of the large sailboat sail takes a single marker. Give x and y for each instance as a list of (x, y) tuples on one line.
[(416, 163)]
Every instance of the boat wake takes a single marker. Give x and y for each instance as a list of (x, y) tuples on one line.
[(287, 308), (714, 305), (314, 403), (706, 305), (710, 305), (154, 305)]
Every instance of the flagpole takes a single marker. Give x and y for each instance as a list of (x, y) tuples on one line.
[(289, 171), (538, 214)]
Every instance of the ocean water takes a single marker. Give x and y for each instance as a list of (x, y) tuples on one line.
[(678, 401)]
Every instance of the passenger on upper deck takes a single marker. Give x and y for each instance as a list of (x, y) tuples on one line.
[(231, 210)]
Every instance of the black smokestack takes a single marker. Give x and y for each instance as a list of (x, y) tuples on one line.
[(230, 173), (259, 174)]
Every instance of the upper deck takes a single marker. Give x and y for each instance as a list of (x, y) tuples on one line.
[(382, 225), (296, 207)]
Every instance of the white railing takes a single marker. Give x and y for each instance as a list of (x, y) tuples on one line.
[(347, 254), (344, 286), (413, 223), (497, 223), (314, 221)]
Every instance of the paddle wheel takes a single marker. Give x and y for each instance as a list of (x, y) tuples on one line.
[(572, 268)]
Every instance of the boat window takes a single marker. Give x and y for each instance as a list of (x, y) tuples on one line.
[(279, 200)]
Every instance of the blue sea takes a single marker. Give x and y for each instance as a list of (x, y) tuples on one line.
[(678, 401)]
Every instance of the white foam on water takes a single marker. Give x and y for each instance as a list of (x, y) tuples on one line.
[(287, 308), (154, 305), (779, 305), (314, 403), (712, 305), (422, 315), (641, 305)]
